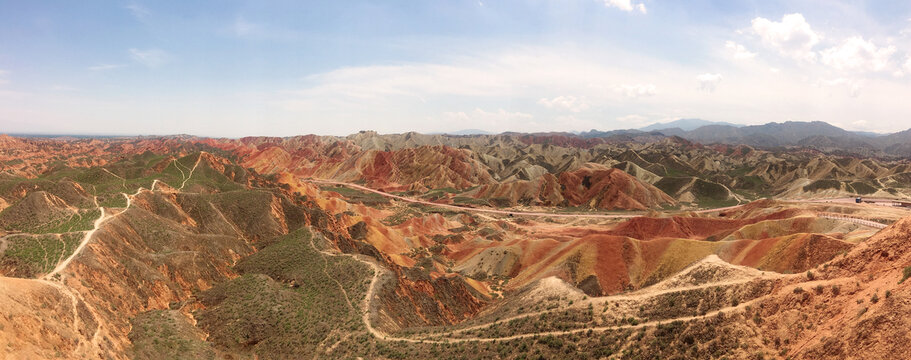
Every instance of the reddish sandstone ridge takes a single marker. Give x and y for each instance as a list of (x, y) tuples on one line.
[(607, 188)]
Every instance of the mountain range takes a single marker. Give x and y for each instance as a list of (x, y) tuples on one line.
[(816, 134), (685, 124)]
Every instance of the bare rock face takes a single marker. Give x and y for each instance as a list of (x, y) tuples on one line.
[(591, 286), (358, 231)]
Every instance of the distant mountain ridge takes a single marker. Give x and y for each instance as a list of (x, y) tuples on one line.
[(814, 134), (685, 125), (465, 132)]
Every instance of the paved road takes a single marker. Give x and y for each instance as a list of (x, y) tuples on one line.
[(882, 202), (851, 200), (371, 291), (494, 211), (854, 220)]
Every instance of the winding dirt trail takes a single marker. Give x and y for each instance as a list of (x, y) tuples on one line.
[(371, 289), (4, 244), (583, 329), (326, 271), (707, 315), (89, 348), (88, 235), (124, 181), (371, 292), (85, 240), (864, 222), (184, 183), (641, 294)]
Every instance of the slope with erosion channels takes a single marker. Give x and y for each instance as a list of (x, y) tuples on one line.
[(539, 169), (642, 251), (202, 248), (159, 249)]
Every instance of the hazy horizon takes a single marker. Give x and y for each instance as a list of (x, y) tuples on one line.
[(249, 68), (451, 133)]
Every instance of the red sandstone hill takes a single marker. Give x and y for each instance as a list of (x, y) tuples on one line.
[(607, 188)]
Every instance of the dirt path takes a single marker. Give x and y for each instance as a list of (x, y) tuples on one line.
[(638, 295), (371, 290), (642, 294), (545, 214), (184, 183), (711, 314), (326, 271), (864, 222), (177, 165), (494, 211), (645, 293), (4, 244), (85, 240), (86, 349), (88, 235), (124, 181)]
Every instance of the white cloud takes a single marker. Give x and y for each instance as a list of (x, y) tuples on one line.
[(138, 11), (388, 97), (243, 28), (59, 87), (907, 65), (637, 90), (792, 36), (570, 103), (150, 57), (834, 82), (857, 54), (632, 119), (498, 120), (853, 86), (626, 5), (738, 51), (102, 67), (370, 82), (709, 82)]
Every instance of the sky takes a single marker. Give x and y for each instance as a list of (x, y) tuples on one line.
[(284, 68)]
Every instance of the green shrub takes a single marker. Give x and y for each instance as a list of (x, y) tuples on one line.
[(906, 275)]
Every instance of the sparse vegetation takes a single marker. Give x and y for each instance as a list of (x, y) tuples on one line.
[(31, 255), (286, 285), (167, 334), (906, 273)]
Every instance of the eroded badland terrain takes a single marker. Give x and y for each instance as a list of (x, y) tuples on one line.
[(511, 246)]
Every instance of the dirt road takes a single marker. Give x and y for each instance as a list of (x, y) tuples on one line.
[(85, 240), (495, 211)]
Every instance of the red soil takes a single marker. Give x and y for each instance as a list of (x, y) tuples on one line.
[(608, 188)]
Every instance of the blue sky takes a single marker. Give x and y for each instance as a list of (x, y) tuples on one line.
[(282, 68)]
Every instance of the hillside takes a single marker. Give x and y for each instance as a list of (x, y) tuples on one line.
[(504, 246)]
